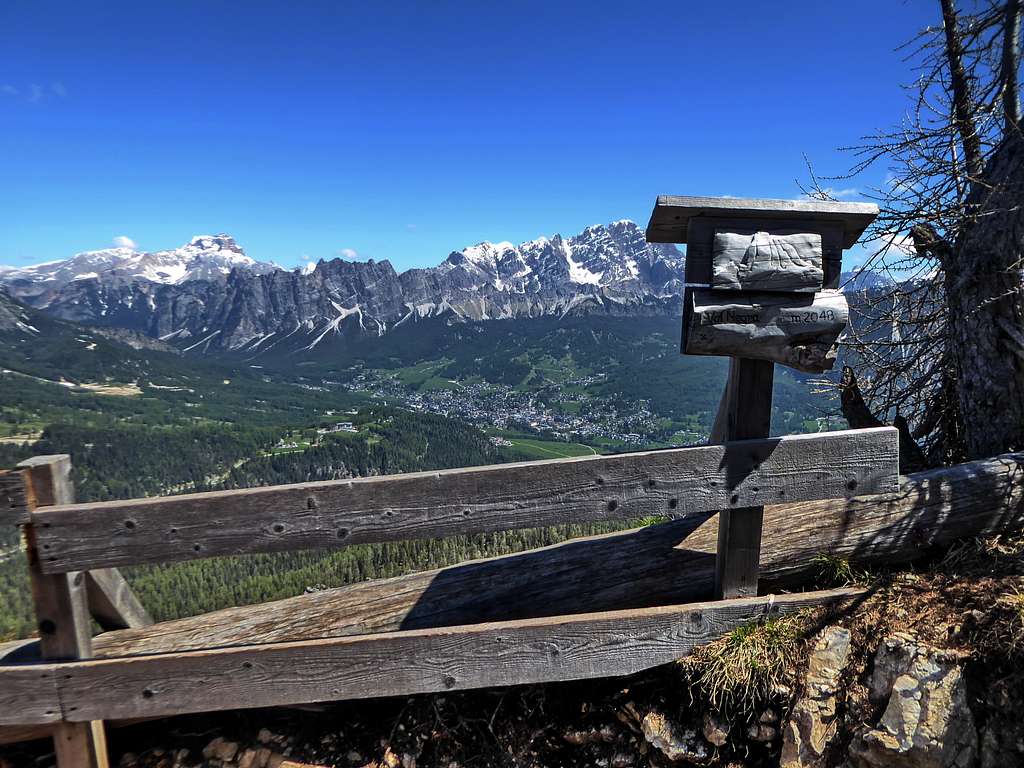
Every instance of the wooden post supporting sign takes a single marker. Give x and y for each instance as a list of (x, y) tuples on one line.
[(745, 413), (762, 280)]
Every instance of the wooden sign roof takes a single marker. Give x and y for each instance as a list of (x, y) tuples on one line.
[(672, 214)]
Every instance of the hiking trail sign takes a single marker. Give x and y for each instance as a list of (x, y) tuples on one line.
[(762, 287), (762, 276)]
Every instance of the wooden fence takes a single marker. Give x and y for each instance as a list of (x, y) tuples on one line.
[(74, 549), (667, 563)]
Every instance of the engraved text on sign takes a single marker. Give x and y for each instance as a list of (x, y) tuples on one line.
[(796, 330)]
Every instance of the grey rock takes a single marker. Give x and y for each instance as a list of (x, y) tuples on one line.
[(762, 732), (221, 749), (812, 724), (991, 750), (927, 722), (673, 741), (716, 730)]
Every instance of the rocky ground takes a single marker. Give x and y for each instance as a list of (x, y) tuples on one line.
[(924, 671)]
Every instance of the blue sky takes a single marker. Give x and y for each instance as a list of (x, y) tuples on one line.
[(406, 130)]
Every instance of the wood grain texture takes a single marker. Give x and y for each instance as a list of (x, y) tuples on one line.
[(13, 501), (798, 330), (50, 479), (739, 417), (677, 482), (13, 734), (422, 661), (767, 261), (62, 614), (701, 234), (672, 562), (28, 695), (745, 412), (673, 213), (59, 599), (80, 745), (112, 602)]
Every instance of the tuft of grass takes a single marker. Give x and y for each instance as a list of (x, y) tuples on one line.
[(831, 571), (983, 556), (644, 522), (740, 671)]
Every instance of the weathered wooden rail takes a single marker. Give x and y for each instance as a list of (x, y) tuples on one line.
[(74, 549), (324, 515), (390, 664)]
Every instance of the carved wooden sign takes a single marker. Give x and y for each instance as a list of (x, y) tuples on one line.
[(796, 329), (762, 275), (767, 261)]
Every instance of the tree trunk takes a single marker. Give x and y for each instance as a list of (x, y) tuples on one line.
[(985, 292)]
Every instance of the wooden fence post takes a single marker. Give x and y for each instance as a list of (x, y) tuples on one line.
[(112, 602), (744, 413), (61, 610)]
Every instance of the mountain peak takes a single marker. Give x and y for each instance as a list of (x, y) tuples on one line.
[(223, 242), (204, 257)]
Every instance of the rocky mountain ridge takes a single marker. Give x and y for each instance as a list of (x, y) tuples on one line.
[(208, 296)]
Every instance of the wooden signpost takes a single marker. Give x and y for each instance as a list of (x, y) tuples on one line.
[(762, 287)]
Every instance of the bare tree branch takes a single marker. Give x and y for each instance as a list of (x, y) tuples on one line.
[(963, 104), (1011, 65)]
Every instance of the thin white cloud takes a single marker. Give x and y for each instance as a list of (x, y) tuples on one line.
[(411, 227), (123, 241), (348, 253), (845, 194), (886, 251), (35, 93), (831, 193)]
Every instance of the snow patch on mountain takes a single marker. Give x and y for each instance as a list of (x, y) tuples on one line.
[(577, 272)]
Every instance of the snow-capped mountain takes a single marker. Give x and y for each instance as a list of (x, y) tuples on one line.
[(605, 256), (205, 257), (863, 279), (255, 308)]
